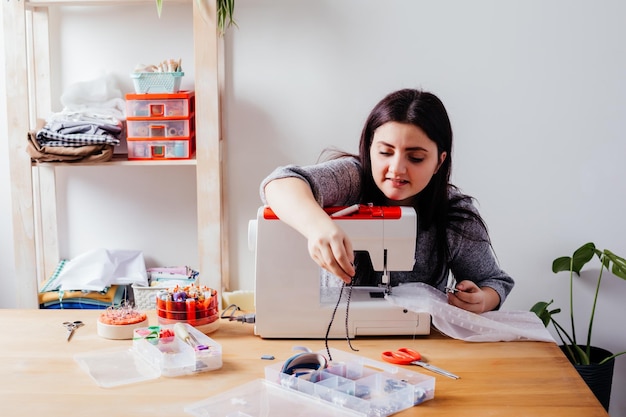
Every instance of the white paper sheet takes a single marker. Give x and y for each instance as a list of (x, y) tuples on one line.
[(100, 268)]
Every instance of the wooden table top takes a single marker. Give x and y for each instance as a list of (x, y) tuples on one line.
[(39, 376)]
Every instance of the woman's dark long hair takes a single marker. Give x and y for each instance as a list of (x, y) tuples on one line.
[(433, 205)]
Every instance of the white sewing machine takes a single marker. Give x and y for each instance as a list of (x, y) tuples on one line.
[(295, 298)]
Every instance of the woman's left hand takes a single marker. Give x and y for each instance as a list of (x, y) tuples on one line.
[(472, 298)]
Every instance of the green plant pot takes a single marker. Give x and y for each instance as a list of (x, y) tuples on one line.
[(599, 378)]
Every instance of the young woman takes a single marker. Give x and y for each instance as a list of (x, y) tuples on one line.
[(404, 159)]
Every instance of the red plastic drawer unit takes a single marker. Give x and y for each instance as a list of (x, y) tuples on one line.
[(160, 126)]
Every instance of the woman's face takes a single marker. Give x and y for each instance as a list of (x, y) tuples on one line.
[(404, 160)]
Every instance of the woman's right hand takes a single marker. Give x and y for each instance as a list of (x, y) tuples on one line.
[(329, 246), (331, 249)]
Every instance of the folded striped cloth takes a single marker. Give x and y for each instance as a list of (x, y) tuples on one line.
[(51, 153), (78, 133), (52, 297)]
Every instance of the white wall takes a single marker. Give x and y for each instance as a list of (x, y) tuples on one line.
[(537, 97), (535, 90), (143, 208)]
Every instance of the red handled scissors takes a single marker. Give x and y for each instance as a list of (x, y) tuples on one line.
[(406, 356)]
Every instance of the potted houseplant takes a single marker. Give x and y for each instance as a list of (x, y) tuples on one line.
[(225, 11), (586, 358)]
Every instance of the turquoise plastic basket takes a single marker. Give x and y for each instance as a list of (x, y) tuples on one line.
[(157, 82)]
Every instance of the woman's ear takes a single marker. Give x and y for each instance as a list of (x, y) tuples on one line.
[(442, 157)]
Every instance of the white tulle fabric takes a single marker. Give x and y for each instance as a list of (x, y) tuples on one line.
[(492, 326)]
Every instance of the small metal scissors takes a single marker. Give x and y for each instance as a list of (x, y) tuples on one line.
[(71, 326), (406, 356)]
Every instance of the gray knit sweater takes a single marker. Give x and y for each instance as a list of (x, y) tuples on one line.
[(338, 183)]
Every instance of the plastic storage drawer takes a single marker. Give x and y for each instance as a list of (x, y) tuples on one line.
[(154, 128), (143, 148), (162, 106)]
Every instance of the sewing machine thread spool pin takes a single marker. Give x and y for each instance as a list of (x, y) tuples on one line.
[(346, 211)]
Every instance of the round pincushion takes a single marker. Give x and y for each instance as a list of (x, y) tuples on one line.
[(120, 323)]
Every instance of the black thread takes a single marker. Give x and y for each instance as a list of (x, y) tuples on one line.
[(332, 318), (347, 311)]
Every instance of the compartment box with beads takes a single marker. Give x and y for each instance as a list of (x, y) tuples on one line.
[(360, 384), (156, 351), (179, 105), (173, 356), (350, 385)]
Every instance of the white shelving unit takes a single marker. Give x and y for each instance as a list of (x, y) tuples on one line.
[(26, 95)]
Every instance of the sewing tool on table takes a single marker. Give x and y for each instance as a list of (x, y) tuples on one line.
[(181, 332), (304, 364), (71, 326), (295, 298), (406, 356)]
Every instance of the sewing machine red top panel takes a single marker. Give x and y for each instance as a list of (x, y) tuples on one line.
[(365, 212)]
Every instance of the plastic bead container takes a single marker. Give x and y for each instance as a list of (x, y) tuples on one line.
[(150, 357), (350, 385), (174, 357)]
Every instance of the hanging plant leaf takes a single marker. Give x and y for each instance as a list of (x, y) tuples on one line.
[(225, 14)]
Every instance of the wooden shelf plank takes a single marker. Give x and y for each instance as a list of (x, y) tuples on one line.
[(46, 3), (122, 159)]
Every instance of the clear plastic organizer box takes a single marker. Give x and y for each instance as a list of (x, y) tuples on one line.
[(160, 128), (350, 385), (154, 353), (172, 356), (160, 149)]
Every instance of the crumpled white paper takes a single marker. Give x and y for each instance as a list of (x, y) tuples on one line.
[(492, 326), (100, 268)]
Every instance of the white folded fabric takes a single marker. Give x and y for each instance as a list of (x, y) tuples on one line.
[(492, 326)]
